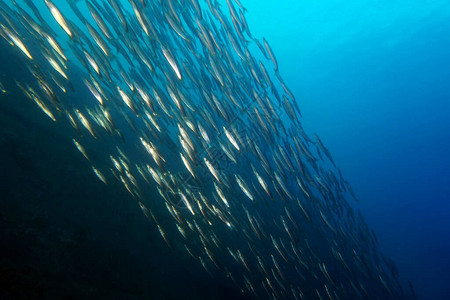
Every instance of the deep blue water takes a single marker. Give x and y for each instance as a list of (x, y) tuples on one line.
[(372, 79)]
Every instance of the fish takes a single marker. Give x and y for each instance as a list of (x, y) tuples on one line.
[(231, 139), (43, 106), (81, 149), (221, 195), (243, 187), (16, 41), (58, 16), (187, 107), (54, 44), (99, 174), (171, 61), (187, 164), (54, 64), (271, 54), (98, 40), (99, 20), (85, 122), (2, 88)]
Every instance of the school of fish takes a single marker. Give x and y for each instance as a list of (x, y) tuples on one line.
[(206, 137)]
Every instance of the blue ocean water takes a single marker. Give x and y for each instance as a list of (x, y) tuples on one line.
[(372, 79)]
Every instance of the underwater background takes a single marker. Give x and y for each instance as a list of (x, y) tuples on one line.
[(372, 80)]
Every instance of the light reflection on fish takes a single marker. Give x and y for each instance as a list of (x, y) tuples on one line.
[(200, 116)]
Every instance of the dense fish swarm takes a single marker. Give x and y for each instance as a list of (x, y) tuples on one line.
[(206, 137)]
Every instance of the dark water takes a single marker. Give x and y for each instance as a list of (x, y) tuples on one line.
[(64, 234)]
